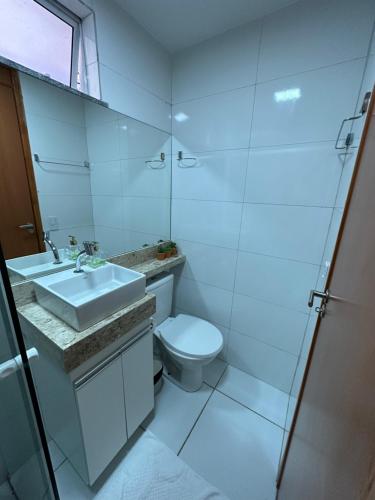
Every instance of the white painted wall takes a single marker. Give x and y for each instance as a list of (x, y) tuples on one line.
[(57, 132), (254, 214), (135, 71)]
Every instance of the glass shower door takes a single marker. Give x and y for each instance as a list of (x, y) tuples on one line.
[(24, 473)]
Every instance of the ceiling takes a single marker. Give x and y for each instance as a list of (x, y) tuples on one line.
[(177, 24)]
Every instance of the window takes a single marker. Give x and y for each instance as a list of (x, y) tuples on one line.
[(42, 36)]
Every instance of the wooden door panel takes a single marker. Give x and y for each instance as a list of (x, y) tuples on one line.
[(332, 447), (16, 205)]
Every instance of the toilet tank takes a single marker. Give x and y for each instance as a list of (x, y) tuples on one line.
[(163, 290)]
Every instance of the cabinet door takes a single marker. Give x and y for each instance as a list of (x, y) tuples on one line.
[(137, 364), (102, 413)]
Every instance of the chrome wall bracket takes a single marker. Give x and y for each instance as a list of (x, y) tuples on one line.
[(325, 296)]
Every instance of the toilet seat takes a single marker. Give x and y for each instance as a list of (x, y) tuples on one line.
[(191, 336)]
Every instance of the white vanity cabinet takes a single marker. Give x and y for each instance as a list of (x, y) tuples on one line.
[(101, 408), (138, 383), (112, 400)]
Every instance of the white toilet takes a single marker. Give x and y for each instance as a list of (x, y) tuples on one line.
[(186, 343)]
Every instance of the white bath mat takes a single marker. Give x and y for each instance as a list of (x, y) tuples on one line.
[(153, 472)]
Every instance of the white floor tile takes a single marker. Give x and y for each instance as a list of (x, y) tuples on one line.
[(175, 413), (70, 485), (235, 450), (213, 371), (57, 455), (260, 397)]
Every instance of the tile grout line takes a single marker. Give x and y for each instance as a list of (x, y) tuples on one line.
[(196, 421), (249, 409)]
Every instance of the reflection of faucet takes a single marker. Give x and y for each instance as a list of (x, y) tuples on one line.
[(50, 243), (89, 247)]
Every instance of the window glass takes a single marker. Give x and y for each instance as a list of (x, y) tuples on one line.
[(34, 37)]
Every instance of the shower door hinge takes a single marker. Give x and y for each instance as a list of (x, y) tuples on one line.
[(325, 296)]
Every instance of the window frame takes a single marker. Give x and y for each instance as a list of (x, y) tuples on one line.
[(58, 10)]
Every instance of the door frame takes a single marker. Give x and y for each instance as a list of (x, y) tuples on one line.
[(309, 361), (29, 166)]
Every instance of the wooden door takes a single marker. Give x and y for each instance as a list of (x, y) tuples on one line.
[(18, 197), (331, 453)]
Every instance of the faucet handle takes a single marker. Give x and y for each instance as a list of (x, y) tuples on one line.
[(89, 247)]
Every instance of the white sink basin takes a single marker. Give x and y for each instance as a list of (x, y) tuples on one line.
[(83, 299), (39, 264)]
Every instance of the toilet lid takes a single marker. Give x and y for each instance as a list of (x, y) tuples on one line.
[(191, 336)]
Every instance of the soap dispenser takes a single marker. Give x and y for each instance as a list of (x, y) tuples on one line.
[(73, 248)]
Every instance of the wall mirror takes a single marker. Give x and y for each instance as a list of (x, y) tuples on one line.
[(77, 171)]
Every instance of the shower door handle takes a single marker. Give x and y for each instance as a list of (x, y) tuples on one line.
[(350, 136), (15, 364), (325, 296)]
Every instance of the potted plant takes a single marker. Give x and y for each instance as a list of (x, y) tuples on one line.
[(162, 252), (173, 248)]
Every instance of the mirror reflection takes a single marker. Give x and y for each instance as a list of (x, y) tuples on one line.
[(77, 172)]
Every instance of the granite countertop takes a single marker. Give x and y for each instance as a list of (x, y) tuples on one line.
[(153, 267), (72, 348)]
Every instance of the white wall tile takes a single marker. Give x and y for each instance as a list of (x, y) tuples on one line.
[(70, 210), (106, 178), (136, 239), (309, 333), (284, 282), (367, 86), (140, 140), (282, 328), (108, 211), (313, 116), (147, 215), (262, 361), (62, 179), (103, 142), (217, 175), (131, 99), (285, 231), (225, 62), (332, 235), (205, 301), (220, 121), (130, 50), (306, 174), (111, 240), (56, 140), (99, 114), (298, 376), (82, 233), (214, 223), (141, 180), (346, 178), (46, 100), (93, 80), (308, 35), (204, 261)]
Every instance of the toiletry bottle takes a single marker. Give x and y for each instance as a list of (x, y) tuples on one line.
[(97, 259), (73, 248)]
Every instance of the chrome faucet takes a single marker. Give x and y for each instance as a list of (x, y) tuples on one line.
[(50, 243), (89, 247)]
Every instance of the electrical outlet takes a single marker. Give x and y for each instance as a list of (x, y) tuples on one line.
[(53, 222)]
